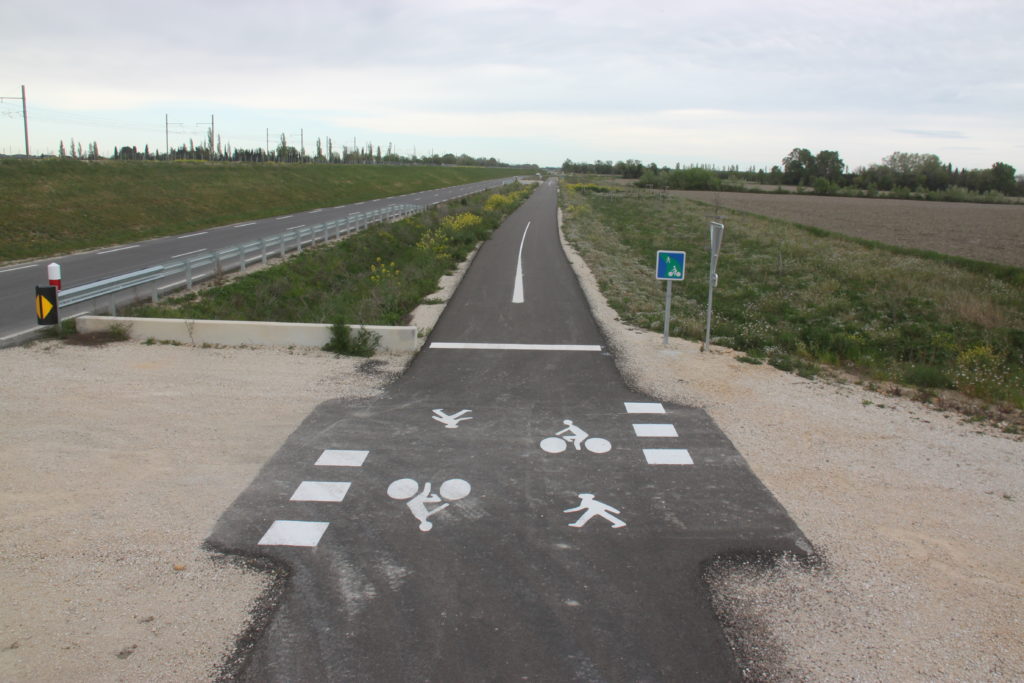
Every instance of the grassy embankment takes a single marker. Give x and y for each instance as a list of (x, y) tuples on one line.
[(53, 206), (799, 297), (376, 277)]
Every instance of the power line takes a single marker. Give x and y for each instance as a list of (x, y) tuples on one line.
[(24, 113)]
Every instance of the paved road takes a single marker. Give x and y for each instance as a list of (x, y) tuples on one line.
[(427, 543), (18, 282)]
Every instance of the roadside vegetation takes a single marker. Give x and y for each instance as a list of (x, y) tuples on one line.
[(801, 298), (376, 277), (54, 206), (901, 175)]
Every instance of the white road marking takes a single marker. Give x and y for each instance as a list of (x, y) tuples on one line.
[(195, 234), (668, 456), (645, 408), (111, 251), (187, 253), (289, 532), (321, 491), (517, 291), (514, 347), (336, 458), (11, 270), (281, 218), (655, 430), (242, 225), (315, 211)]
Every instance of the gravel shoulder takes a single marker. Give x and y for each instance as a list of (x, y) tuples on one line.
[(917, 515), (117, 460)]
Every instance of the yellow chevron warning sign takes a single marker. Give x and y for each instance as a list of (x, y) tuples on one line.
[(46, 305)]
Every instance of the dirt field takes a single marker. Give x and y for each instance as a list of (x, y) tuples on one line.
[(985, 232)]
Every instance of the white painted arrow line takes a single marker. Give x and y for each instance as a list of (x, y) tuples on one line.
[(517, 291)]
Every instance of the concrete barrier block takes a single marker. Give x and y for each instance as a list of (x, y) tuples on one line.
[(398, 340)]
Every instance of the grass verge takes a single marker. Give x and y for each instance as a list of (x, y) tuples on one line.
[(800, 297), (54, 206)]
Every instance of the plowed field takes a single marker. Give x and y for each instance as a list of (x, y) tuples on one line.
[(985, 232)]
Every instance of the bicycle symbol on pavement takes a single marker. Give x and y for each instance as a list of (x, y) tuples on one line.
[(574, 435), (409, 489)]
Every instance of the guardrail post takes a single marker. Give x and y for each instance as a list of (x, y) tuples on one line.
[(241, 259), (188, 273), (263, 251)]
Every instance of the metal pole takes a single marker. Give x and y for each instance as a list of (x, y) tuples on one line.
[(711, 290), (668, 309), (716, 244), (24, 115)]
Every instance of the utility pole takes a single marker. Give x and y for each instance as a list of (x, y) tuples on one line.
[(167, 136), (24, 114), (212, 136)]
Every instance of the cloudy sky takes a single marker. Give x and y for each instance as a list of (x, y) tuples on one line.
[(723, 82)]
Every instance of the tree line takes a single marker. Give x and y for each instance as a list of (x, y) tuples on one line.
[(901, 174), (210, 150)]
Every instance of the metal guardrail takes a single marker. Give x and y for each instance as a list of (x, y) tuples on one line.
[(230, 259)]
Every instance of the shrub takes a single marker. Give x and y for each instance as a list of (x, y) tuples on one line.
[(346, 343), (927, 377)]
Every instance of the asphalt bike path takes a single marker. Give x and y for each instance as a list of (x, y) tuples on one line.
[(508, 510)]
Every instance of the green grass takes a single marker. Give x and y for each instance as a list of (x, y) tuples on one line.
[(376, 277), (799, 297), (56, 206)]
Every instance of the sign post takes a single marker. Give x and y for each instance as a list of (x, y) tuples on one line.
[(716, 245), (671, 266)]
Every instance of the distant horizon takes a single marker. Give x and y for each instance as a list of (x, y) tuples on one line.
[(736, 168), (526, 81)]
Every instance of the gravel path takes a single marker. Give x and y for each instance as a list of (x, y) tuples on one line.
[(117, 460)]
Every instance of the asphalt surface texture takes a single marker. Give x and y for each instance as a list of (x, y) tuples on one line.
[(509, 510), (18, 281)]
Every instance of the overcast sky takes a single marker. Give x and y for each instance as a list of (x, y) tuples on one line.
[(722, 81)]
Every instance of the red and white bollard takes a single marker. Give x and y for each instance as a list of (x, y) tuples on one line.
[(53, 273)]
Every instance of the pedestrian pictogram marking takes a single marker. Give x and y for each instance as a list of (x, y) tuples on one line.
[(451, 421), (591, 507)]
